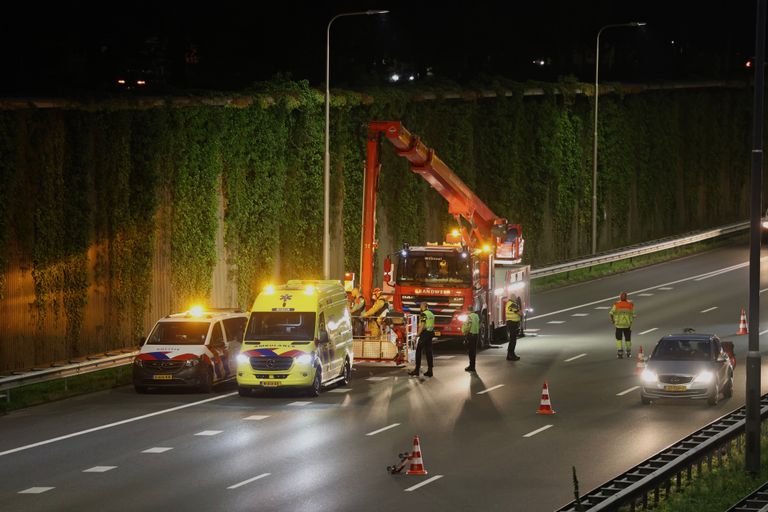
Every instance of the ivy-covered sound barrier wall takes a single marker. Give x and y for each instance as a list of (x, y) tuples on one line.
[(108, 211)]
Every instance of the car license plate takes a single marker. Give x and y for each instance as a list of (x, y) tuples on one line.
[(270, 383), (674, 388), (162, 377), (437, 333)]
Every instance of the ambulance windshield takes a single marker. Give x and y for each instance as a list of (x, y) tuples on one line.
[(179, 333), (280, 325)]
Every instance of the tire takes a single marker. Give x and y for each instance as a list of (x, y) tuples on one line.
[(715, 398), (243, 391), (645, 400), (346, 373), (206, 381), (141, 389), (317, 383), (728, 389)]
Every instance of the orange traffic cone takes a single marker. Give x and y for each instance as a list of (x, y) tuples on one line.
[(417, 465), (640, 366), (545, 407), (743, 323)]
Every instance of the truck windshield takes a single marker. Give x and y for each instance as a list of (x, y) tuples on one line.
[(280, 325), (179, 333), (434, 269)]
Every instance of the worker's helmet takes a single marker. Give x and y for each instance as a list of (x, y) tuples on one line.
[(623, 296)]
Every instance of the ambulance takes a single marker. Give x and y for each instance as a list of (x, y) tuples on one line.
[(299, 336), (196, 348)]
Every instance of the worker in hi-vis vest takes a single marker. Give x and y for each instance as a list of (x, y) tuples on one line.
[(622, 313), (513, 326)]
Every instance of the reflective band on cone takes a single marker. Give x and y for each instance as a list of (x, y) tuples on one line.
[(417, 465), (743, 323), (545, 407)]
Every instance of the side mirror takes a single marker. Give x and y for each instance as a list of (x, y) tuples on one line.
[(722, 358), (322, 337)]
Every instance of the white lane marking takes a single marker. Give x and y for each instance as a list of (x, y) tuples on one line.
[(383, 429), (299, 404), (764, 290), (542, 429), (728, 269), (444, 357), (157, 449), (580, 314), (628, 391), (497, 386), (36, 490), (650, 330), (762, 332), (532, 330), (99, 469), (665, 288), (256, 417), (716, 273), (645, 294), (209, 432), (574, 358), (245, 482), (708, 310), (376, 379), (425, 482), (603, 307), (556, 322), (340, 390), (115, 424)]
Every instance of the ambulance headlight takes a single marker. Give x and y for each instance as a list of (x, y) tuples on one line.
[(242, 359), (463, 317), (304, 359), (191, 362)]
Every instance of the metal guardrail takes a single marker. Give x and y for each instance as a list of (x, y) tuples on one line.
[(34, 376), (62, 372), (757, 501), (644, 482), (638, 250)]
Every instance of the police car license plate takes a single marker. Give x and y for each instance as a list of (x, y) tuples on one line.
[(674, 388), (162, 377), (270, 383)]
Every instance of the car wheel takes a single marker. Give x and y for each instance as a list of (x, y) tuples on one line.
[(206, 380), (243, 391), (141, 389), (715, 398), (346, 374), (317, 383), (728, 389), (645, 400)]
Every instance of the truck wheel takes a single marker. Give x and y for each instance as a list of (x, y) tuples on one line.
[(317, 383)]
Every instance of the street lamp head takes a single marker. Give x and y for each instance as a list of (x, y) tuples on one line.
[(376, 12), (638, 23)]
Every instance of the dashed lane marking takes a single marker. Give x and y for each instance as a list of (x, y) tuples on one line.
[(299, 404), (36, 490), (556, 322), (158, 449), (645, 294), (650, 330), (603, 307), (340, 390), (256, 417), (580, 314), (762, 332), (383, 429), (490, 389), (575, 358), (708, 310), (444, 357), (99, 469), (538, 430), (628, 391), (665, 288), (209, 433), (245, 482), (377, 379), (115, 424), (425, 482)]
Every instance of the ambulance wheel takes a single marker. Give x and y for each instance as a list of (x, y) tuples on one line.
[(317, 383), (347, 374), (206, 380), (244, 391)]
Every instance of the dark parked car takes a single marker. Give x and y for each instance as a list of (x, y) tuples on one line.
[(688, 365)]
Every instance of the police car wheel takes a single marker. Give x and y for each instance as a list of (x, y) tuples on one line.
[(317, 383), (346, 375), (206, 380)]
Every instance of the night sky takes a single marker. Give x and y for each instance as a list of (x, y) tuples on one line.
[(174, 46)]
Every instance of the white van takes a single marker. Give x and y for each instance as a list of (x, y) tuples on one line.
[(196, 348)]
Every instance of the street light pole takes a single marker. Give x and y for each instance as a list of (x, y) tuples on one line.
[(327, 158), (594, 138)]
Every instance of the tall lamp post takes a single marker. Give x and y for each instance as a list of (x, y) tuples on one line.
[(327, 160), (594, 139)]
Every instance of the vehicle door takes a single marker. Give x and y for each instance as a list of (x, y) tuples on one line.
[(721, 363), (217, 348), (324, 346), (234, 328)]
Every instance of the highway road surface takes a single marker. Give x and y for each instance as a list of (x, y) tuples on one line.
[(483, 444)]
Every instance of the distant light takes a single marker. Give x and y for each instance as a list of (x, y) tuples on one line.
[(748, 64), (376, 12), (539, 62), (404, 253), (121, 81), (672, 42), (411, 78), (395, 77), (638, 23), (141, 82)]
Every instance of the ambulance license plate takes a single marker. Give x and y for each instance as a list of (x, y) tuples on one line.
[(437, 333), (162, 377), (270, 383), (674, 388)]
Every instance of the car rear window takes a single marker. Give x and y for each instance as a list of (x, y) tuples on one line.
[(683, 350)]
